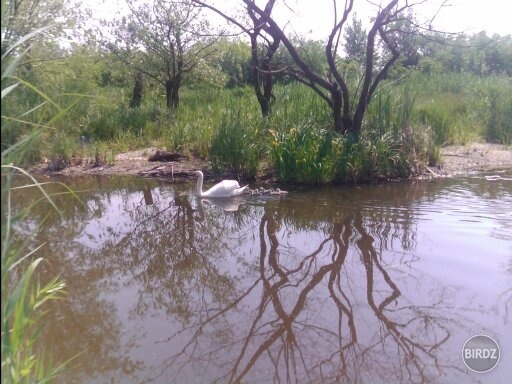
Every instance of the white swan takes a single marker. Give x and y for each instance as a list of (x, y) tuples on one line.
[(226, 188)]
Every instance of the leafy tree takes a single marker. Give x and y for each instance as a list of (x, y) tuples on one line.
[(163, 39), (407, 39), (28, 22), (234, 59), (313, 52), (355, 41), (479, 54)]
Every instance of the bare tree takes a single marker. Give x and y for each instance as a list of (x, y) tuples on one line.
[(263, 48), (262, 72), (348, 106)]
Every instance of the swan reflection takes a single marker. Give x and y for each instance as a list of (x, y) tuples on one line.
[(230, 204)]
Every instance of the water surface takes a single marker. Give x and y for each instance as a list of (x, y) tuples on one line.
[(366, 284)]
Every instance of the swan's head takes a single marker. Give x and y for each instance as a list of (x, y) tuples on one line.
[(195, 173)]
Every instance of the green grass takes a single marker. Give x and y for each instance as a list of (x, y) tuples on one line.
[(460, 108), (406, 123)]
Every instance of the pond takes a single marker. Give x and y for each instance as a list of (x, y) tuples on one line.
[(360, 284)]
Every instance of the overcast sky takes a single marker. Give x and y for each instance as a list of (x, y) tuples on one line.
[(470, 16), (313, 17)]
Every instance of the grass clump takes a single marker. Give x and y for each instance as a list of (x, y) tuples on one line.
[(305, 153), (499, 115), (365, 160), (236, 146)]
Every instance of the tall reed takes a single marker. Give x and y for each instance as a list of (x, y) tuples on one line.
[(305, 153), (498, 126), (236, 145), (23, 295)]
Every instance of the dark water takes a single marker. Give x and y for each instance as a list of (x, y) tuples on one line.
[(369, 284)]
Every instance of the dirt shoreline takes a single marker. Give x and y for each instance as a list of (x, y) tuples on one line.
[(459, 159), (455, 160)]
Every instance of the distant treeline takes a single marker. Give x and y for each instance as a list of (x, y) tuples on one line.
[(231, 66)]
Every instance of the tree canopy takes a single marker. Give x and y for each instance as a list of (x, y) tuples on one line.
[(163, 39)]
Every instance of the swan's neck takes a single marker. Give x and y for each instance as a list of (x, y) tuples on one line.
[(199, 186)]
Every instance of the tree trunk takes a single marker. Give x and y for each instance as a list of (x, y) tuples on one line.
[(265, 98), (264, 103), (172, 88), (358, 121), (336, 113), (342, 120), (137, 91), (263, 86)]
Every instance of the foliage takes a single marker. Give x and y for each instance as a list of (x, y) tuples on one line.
[(404, 117), (355, 41), (234, 60), (465, 107), (389, 30), (164, 40), (23, 297), (368, 159), (478, 54), (21, 18), (313, 52), (458, 94)]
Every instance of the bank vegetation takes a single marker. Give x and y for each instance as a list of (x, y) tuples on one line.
[(312, 111)]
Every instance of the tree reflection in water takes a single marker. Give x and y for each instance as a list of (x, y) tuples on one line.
[(309, 324), (303, 288)]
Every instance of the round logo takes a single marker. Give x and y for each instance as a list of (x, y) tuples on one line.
[(481, 353)]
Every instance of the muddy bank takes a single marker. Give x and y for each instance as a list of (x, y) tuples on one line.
[(456, 160), (129, 163)]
